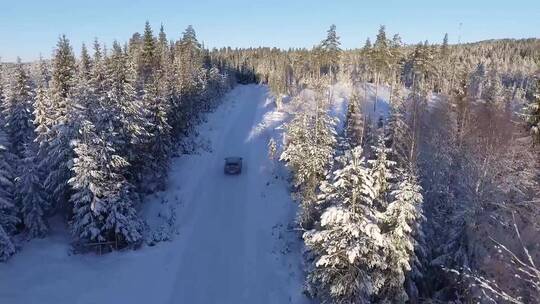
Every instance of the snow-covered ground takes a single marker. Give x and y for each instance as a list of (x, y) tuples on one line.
[(234, 242)]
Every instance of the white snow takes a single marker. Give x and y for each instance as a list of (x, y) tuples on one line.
[(233, 242)]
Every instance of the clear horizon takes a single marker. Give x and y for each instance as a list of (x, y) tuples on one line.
[(29, 29)]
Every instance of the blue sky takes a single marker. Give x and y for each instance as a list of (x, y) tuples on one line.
[(29, 28)]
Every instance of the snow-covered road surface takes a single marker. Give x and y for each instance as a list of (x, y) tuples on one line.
[(233, 244)]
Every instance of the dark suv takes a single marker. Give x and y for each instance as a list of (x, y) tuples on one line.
[(233, 165)]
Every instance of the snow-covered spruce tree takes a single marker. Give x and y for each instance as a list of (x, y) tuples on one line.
[(297, 156), (30, 194), (125, 120), (59, 154), (308, 152), (347, 243), (296, 146), (493, 94), (42, 108), (381, 170), (85, 64), (103, 203), (8, 218), (148, 58), (477, 81), (83, 91), (330, 52), (354, 122), (397, 131), (188, 63), (94, 88), (401, 226), (18, 111), (216, 84), (7, 248), (381, 59), (156, 153)]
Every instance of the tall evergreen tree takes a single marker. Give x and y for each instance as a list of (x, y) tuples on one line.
[(331, 51), (188, 62), (381, 57), (103, 205), (148, 60), (30, 194), (382, 173), (159, 146), (401, 225), (58, 151), (18, 111), (397, 132), (8, 218), (348, 244), (354, 122), (445, 48), (85, 64), (42, 108), (494, 90), (308, 152), (122, 110)]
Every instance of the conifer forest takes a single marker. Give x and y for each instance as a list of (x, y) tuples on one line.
[(386, 173)]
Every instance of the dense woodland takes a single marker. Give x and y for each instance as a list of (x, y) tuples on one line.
[(435, 202), (84, 138)]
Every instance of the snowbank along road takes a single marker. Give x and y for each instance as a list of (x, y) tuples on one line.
[(233, 245)]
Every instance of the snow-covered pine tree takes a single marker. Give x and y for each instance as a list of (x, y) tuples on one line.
[(7, 248), (102, 199), (381, 58), (8, 218), (216, 86), (85, 101), (85, 64), (148, 59), (296, 148), (59, 154), (308, 152), (18, 111), (477, 81), (397, 131), (88, 184), (331, 50), (493, 94), (30, 194), (190, 77), (188, 62), (165, 74), (156, 154), (125, 119), (354, 122), (401, 227), (347, 245), (382, 172), (96, 88), (42, 108)]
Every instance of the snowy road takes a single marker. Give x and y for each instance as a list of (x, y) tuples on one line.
[(229, 230), (233, 244)]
